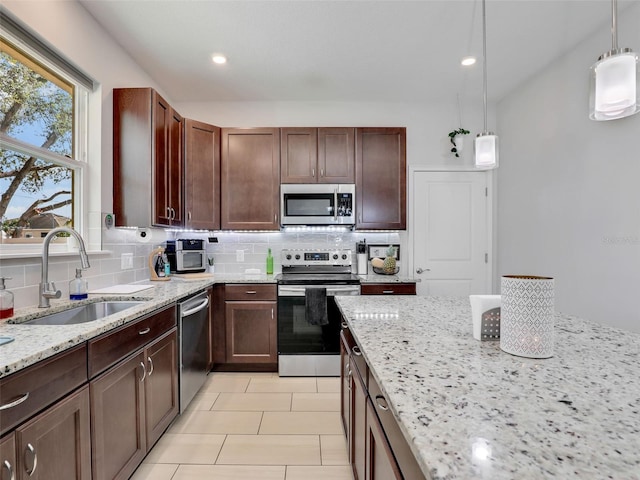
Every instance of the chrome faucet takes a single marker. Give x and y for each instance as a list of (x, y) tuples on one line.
[(48, 290)]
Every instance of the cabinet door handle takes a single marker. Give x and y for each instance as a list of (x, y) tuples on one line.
[(189, 215), (250, 292), (388, 292), (382, 403), (313, 172), (344, 325), (169, 213), (32, 451), (15, 402), (7, 466), (322, 172), (150, 366), (145, 331), (356, 350), (144, 372)]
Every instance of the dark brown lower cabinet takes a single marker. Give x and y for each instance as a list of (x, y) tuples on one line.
[(161, 386), (380, 462), (377, 448), (251, 332), (8, 457), (118, 419), (132, 403), (357, 443), (55, 444)]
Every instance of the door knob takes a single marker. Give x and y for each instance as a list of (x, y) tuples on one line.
[(421, 270)]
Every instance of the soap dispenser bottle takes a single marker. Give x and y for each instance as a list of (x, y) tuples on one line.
[(269, 262), (78, 287), (6, 300)]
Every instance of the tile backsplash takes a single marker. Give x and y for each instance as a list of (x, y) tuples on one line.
[(106, 268)]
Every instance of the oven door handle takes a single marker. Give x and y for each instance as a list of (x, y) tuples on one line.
[(284, 291)]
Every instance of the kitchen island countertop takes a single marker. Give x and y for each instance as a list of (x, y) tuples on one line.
[(470, 411)]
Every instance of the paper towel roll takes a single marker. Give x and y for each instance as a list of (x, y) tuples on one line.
[(151, 235)]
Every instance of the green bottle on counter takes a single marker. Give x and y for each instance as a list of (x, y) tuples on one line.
[(269, 262)]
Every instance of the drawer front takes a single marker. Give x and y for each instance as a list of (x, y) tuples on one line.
[(388, 289), (40, 385), (113, 346), (401, 450), (250, 291)]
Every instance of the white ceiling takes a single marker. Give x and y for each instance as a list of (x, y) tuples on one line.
[(345, 50)]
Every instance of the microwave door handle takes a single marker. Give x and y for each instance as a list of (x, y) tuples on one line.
[(335, 204)]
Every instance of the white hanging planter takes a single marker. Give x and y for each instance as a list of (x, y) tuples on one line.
[(456, 138)]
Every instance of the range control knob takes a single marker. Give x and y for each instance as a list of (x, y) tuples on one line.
[(288, 256), (297, 256), (335, 256), (344, 256)]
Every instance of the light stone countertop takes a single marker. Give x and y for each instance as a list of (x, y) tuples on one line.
[(33, 343), (470, 411), (375, 278)]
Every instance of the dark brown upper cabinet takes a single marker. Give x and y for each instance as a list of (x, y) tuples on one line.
[(381, 178), (250, 179), (202, 175), (147, 159), (317, 155)]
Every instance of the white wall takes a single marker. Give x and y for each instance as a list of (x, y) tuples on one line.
[(569, 194), (69, 28)]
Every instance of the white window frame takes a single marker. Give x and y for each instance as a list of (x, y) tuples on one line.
[(80, 161)]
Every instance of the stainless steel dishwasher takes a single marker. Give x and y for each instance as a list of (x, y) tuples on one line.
[(193, 330)]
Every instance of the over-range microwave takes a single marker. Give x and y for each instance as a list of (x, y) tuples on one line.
[(317, 204)]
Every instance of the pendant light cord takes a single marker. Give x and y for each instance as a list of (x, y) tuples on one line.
[(484, 62), (614, 25)]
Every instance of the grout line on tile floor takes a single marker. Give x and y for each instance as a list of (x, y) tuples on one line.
[(260, 424), (221, 447)]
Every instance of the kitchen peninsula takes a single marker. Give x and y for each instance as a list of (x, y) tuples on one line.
[(468, 410)]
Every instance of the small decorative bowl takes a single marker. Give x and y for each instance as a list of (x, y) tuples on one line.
[(380, 271)]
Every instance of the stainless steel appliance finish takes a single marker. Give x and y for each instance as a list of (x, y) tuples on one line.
[(193, 332), (317, 204), (306, 349), (186, 255)]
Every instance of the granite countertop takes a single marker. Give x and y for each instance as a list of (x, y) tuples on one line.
[(375, 278), (470, 411), (33, 343)]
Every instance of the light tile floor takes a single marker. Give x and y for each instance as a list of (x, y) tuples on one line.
[(255, 426)]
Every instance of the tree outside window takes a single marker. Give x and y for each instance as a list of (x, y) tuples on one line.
[(37, 164)]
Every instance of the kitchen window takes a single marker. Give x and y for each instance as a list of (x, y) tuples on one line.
[(43, 146)]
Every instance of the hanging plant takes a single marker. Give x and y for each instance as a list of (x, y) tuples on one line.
[(452, 138)]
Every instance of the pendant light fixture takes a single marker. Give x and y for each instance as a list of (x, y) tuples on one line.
[(615, 80), (486, 144)]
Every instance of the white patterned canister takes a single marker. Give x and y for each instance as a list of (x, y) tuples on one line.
[(527, 316)]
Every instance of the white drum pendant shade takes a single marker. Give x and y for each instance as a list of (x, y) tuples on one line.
[(486, 150), (615, 87)]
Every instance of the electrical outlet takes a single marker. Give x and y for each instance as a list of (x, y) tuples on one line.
[(239, 255), (126, 261)]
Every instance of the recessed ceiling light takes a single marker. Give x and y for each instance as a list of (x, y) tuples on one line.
[(466, 61), (219, 59)]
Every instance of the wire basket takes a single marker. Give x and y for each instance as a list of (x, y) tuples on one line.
[(380, 271)]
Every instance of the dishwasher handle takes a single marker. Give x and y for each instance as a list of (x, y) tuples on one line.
[(201, 306)]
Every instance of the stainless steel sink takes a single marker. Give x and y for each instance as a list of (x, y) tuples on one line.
[(84, 313)]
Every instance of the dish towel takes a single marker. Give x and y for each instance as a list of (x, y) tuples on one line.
[(316, 305)]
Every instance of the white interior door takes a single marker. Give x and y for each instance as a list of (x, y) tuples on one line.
[(451, 233)]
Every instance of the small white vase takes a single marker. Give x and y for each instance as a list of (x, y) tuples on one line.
[(459, 141)]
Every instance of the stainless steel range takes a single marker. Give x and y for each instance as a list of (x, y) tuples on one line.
[(308, 317)]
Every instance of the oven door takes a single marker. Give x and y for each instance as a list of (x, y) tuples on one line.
[(305, 349)]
